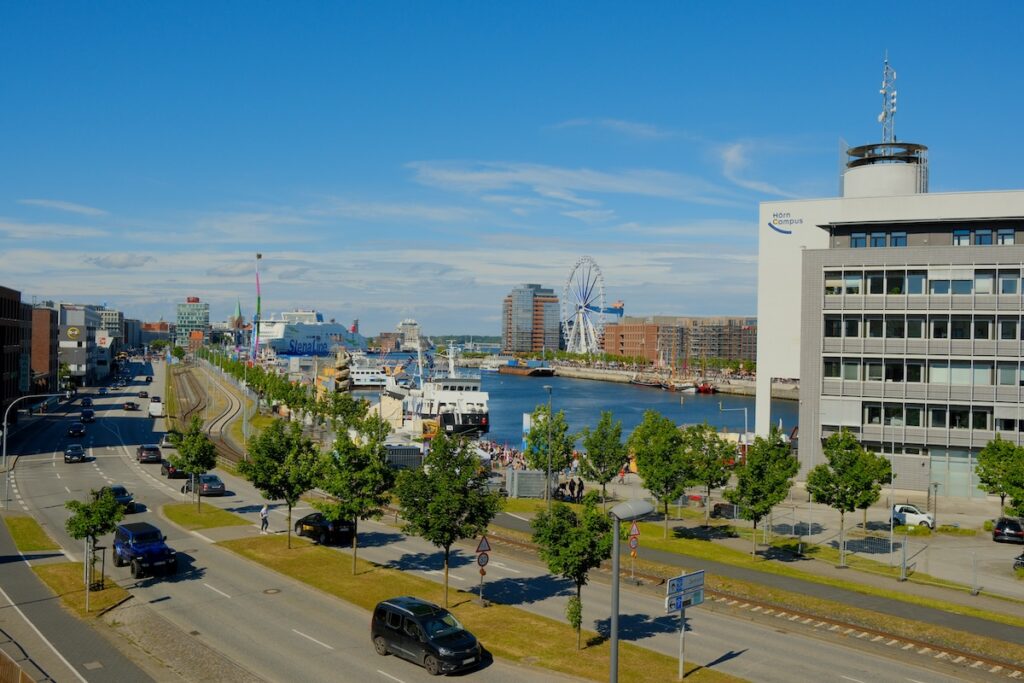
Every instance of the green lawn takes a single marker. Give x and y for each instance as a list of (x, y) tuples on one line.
[(210, 516), (65, 580), (28, 535)]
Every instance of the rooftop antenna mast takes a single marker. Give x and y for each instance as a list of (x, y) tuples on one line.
[(888, 91)]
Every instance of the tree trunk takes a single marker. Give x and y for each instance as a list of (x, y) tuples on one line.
[(842, 538), (289, 525), (355, 542), (604, 497), (707, 509), (753, 540), (666, 518), (579, 601), (195, 492), (1002, 502), (447, 549), (865, 525)]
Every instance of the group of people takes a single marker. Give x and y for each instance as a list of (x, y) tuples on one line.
[(570, 491)]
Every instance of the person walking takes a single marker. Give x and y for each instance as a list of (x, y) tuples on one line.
[(264, 519), (572, 490), (579, 490)]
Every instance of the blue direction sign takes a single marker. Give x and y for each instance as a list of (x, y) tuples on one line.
[(675, 603), (685, 583)]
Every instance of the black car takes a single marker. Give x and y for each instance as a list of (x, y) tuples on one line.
[(149, 452), (1008, 529), (121, 495), (170, 471), (149, 378), (143, 394), (208, 485), (143, 547), (86, 402), (423, 633), (130, 405), (323, 530), (74, 453), (76, 429), (88, 415)]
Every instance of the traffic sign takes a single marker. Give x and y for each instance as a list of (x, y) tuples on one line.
[(676, 603), (483, 546), (482, 559), (633, 543), (685, 583), (632, 553), (483, 572), (634, 530)]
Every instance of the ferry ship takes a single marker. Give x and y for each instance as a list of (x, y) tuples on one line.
[(449, 403), (306, 333)]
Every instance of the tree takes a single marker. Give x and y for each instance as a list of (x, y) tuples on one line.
[(657, 445), (358, 476), (763, 480), (572, 544), (606, 453), (159, 345), (178, 353), (995, 462), (90, 520), (1015, 482), (537, 442), (447, 499), (709, 458), (196, 454), (850, 479), (283, 464)]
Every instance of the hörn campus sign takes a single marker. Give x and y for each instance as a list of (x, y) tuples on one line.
[(781, 219)]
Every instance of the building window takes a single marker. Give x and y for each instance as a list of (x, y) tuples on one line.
[(1005, 425), (898, 239), (984, 282), (858, 240), (961, 328), (833, 327), (873, 371), (913, 414), (876, 282), (895, 328), (1007, 328), (914, 371), (875, 327), (873, 414), (940, 329), (833, 283), (938, 372), (960, 373), (983, 373), (983, 328), (961, 286), (851, 370), (893, 415), (915, 328), (853, 283), (852, 327), (938, 416), (1008, 281), (831, 368), (1005, 236), (983, 237), (938, 286), (878, 239), (894, 282), (961, 238), (894, 371), (915, 281), (959, 417)]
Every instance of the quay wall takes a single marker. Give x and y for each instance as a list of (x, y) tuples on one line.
[(739, 387)]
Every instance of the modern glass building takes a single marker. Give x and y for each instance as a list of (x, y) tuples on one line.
[(193, 315), (530, 320)]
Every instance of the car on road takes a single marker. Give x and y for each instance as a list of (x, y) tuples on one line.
[(325, 531), (121, 495), (74, 453), (143, 394), (208, 485), (154, 399), (149, 452), (130, 405), (1018, 562), (103, 391), (1008, 529), (905, 514), (725, 511), (76, 429), (170, 471), (88, 415), (423, 633), (149, 378), (143, 547), (166, 441), (86, 402)]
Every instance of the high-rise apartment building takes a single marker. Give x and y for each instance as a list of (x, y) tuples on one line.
[(901, 314), (111, 326), (530, 320), (682, 342), (45, 351), (193, 315)]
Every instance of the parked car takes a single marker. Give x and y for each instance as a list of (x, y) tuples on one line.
[(88, 415), (143, 394), (121, 495), (76, 429), (86, 402), (130, 405), (74, 453), (1008, 529), (324, 531), (103, 391), (423, 633), (496, 484), (144, 548), (208, 485), (149, 452), (170, 471), (154, 399), (1018, 562), (166, 442), (149, 378), (725, 511), (905, 514)]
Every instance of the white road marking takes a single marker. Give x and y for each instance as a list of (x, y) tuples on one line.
[(217, 591), (914, 680), (208, 540), (313, 639), (69, 491), (510, 514), (500, 565), (58, 473), (42, 637), (385, 673)]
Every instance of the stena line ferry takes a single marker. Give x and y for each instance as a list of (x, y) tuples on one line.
[(306, 333)]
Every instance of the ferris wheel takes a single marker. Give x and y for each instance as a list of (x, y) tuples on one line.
[(583, 307)]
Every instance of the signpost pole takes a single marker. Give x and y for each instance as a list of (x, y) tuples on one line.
[(682, 640)]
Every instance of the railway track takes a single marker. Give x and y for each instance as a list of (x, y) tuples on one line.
[(191, 393)]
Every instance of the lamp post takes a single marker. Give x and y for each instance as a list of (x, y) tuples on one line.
[(623, 512), (547, 485), (7, 473), (744, 409)]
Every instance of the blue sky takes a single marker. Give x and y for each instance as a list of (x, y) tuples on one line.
[(396, 160)]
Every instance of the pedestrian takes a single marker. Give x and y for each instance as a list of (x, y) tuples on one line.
[(622, 474), (264, 519), (579, 490), (572, 490)]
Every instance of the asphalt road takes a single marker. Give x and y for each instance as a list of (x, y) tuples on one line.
[(275, 628)]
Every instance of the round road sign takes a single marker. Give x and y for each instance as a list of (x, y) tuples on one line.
[(482, 559), (633, 542)]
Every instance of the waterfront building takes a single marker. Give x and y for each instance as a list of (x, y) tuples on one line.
[(900, 313), (386, 342), (409, 332), (530, 320), (682, 341), (45, 351), (193, 315)]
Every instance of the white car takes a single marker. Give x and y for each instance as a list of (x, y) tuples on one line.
[(908, 515)]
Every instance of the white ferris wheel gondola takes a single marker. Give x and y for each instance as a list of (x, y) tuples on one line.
[(583, 308)]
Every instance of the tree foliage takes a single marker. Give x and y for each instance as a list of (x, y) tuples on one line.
[(572, 544), (94, 518), (995, 466), (283, 464), (196, 453), (764, 478), (562, 441), (606, 454), (709, 457), (447, 499), (657, 445)]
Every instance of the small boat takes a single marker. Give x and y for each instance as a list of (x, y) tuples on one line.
[(687, 388), (641, 381), (706, 388)]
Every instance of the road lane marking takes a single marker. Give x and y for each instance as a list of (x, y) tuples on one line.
[(208, 540), (217, 591), (42, 637), (501, 565), (517, 517), (401, 548), (914, 680), (57, 473), (313, 639), (69, 491), (385, 673)]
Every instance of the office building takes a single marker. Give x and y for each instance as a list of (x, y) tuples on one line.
[(193, 315), (15, 349), (530, 320), (111, 332), (45, 351), (79, 328)]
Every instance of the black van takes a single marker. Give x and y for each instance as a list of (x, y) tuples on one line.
[(424, 633)]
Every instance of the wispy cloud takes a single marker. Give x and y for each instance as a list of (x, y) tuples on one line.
[(237, 268), (119, 261), (735, 157), (591, 215), (633, 129), (386, 211), (32, 231), (60, 205)]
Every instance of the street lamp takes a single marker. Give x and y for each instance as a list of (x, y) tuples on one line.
[(744, 409), (7, 473), (623, 512), (547, 486)]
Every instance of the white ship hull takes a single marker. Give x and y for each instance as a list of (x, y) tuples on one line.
[(313, 338)]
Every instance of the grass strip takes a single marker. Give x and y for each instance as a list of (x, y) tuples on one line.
[(211, 516), (65, 579), (28, 535), (506, 631)]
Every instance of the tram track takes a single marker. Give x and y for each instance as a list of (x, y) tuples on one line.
[(192, 393)]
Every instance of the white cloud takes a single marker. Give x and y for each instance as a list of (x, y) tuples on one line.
[(119, 261), (31, 231), (735, 157), (398, 211), (238, 268), (633, 129), (60, 205), (591, 215)]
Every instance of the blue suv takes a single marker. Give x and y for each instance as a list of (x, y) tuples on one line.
[(141, 546)]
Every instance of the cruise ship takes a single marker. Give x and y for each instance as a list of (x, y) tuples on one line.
[(305, 333)]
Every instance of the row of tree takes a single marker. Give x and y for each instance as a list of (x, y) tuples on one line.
[(1000, 471)]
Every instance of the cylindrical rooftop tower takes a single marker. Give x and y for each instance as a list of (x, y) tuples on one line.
[(886, 169)]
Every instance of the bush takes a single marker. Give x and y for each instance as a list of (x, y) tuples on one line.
[(592, 496), (956, 531), (912, 530), (1019, 573), (988, 525)]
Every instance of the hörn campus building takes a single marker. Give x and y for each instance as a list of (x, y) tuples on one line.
[(900, 312)]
